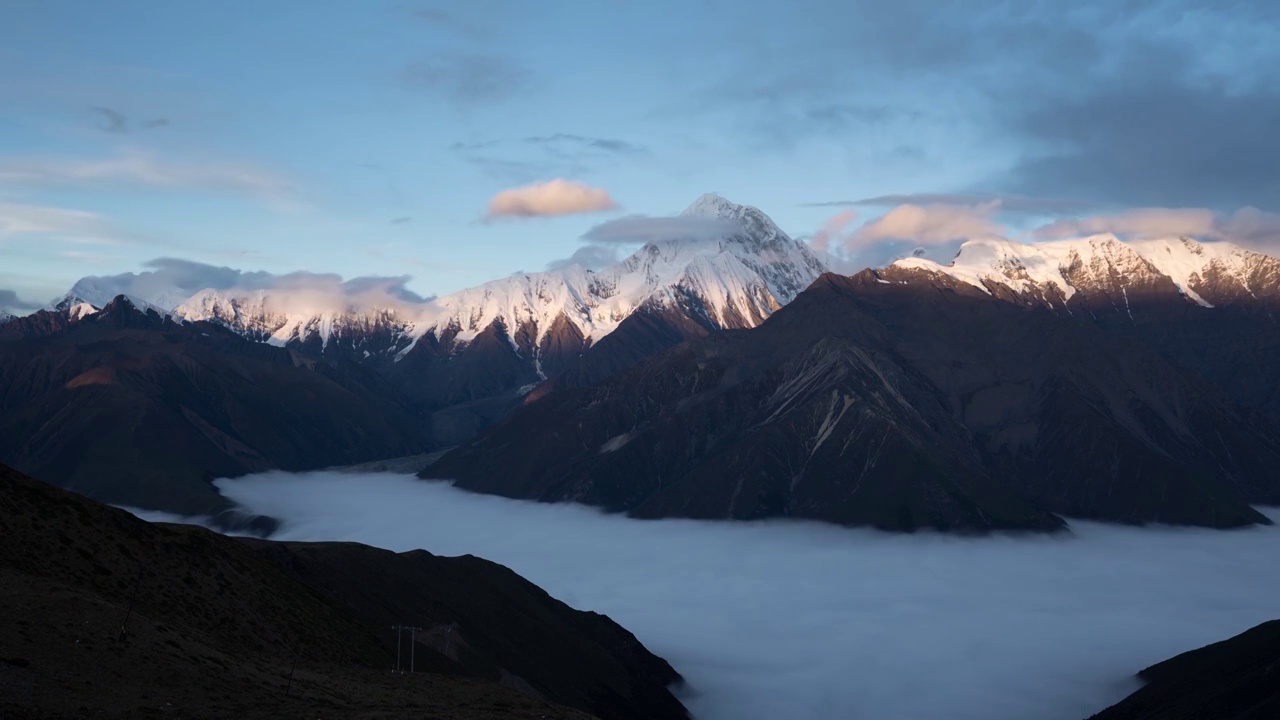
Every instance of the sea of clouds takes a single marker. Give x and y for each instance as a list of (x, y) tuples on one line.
[(808, 621)]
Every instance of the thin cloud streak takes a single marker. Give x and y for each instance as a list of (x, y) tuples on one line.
[(639, 229), (1005, 203), (147, 171), (18, 220), (468, 78)]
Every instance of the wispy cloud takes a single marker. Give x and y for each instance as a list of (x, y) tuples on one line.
[(549, 199), (468, 78), (638, 229), (1004, 203), (112, 121), (927, 225), (833, 230), (564, 154), (21, 220), (1247, 226), (10, 301), (592, 257), (150, 171), (569, 143)]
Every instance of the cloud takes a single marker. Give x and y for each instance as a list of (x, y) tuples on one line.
[(549, 199), (110, 121), (449, 21), (913, 626), (1247, 226), (168, 282), (10, 301), (832, 230), (84, 256), (468, 78), (1005, 203), (1157, 103), (401, 220), (1136, 141), (928, 225), (116, 123), (592, 257), (1138, 222), (146, 170), (639, 229), (578, 143), (21, 220), (536, 156)]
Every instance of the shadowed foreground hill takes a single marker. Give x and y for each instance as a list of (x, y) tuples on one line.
[(1236, 679), (218, 622)]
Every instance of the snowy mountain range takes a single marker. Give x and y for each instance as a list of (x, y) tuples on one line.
[(1052, 273), (735, 280)]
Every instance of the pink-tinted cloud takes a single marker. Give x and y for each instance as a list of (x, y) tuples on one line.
[(549, 199), (822, 240), (1138, 222), (928, 225), (1247, 226)]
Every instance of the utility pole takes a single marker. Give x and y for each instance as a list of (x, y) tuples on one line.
[(413, 642), (397, 628), (413, 633), (124, 627)]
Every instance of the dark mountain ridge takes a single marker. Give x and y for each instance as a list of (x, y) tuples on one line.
[(132, 408), (897, 405)]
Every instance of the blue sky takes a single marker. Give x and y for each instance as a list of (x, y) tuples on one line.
[(369, 138)]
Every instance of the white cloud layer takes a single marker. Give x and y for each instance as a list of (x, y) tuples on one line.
[(549, 199), (168, 282), (640, 229), (811, 622)]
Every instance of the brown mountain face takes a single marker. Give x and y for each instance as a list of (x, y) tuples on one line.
[(1236, 679), (1228, 333), (217, 625), (899, 405), (134, 409)]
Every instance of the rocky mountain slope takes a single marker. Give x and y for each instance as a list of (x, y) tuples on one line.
[(897, 404), (217, 625), (132, 408), (1211, 307), (1236, 679)]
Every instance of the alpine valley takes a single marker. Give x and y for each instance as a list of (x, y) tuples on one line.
[(729, 375)]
